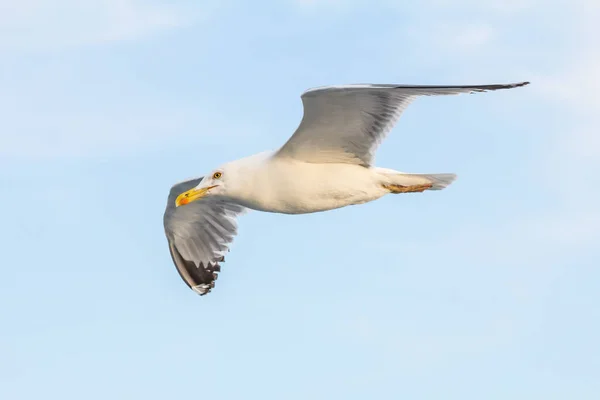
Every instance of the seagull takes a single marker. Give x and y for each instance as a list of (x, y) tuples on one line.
[(326, 164)]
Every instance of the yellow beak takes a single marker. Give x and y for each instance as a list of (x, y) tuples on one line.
[(192, 195)]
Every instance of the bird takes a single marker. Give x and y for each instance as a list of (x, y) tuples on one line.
[(327, 163)]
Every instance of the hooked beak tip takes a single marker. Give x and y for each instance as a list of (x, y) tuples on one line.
[(182, 202), (191, 195)]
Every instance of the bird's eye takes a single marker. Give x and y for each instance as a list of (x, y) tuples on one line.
[(217, 175)]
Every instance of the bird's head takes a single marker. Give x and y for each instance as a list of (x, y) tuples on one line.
[(213, 184)]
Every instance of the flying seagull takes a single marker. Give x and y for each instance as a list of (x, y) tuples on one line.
[(326, 164)]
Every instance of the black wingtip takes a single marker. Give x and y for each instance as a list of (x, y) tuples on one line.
[(501, 86), (200, 278), (485, 88), (209, 275), (519, 84)]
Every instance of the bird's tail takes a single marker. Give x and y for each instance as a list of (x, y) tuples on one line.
[(438, 181), (401, 182)]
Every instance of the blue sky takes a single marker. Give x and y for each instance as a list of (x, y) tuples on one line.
[(485, 290)]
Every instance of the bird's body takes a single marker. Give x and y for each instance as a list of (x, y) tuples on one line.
[(326, 164), (290, 186)]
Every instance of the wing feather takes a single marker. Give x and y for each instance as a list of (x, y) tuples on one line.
[(346, 124), (199, 235)]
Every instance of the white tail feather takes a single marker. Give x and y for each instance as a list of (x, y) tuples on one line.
[(439, 181)]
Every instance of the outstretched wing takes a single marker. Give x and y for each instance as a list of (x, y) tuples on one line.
[(199, 235), (345, 124)]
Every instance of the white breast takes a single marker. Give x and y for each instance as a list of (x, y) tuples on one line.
[(295, 187)]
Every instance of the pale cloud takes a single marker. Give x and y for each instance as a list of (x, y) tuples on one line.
[(524, 242), (313, 4), (584, 144), (490, 6), (331, 8), (472, 37), (452, 38), (425, 350), (444, 31), (51, 24), (572, 86), (419, 339), (57, 135), (39, 121), (54, 135), (565, 76), (441, 31), (575, 81)]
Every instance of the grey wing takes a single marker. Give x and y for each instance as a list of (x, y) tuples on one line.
[(345, 124), (199, 235)]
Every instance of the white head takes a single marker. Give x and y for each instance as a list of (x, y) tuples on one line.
[(233, 180), (217, 183)]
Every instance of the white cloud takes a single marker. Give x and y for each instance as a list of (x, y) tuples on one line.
[(312, 4), (496, 6), (51, 135), (526, 242), (41, 118), (470, 32), (575, 83), (82, 134), (472, 37), (565, 73), (572, 86), (453, 38), (491, 6), (51, 24)]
